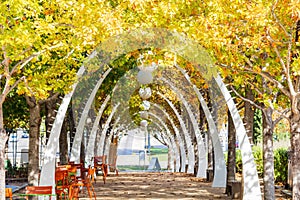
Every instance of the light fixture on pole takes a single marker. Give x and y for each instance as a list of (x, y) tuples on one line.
[(145, 93), (144, 76), (144, 123), (146, 105)]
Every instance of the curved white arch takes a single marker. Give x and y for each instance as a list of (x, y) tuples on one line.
[(174, 153), (181, 143), (47, 172), (170, 135), (201, 148), (102, 138), (170, 139), (92, 137), (220, 168), (100, 149), (190, 146), (251, 183), (75, 152), (108, 139)]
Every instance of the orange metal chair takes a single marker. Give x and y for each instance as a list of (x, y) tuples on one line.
[(87, 182), (80, 170), (67, 182), (101, 165), (8, 193), (61, 183)]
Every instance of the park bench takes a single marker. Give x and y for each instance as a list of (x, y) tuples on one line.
[(38, 191)]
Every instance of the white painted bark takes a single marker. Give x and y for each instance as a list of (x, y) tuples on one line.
[(100, 150), (75, 152), (92, 139), (188, 140), (250, 177)]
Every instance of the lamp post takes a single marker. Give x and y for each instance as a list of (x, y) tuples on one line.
[(144, 76), (144, 124)]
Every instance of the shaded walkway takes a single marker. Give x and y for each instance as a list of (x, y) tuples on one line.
[(156, 186)]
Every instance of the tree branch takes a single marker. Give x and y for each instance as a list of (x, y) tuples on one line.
[(15, 84), (54, 96), (25, 61), (28, 100), (27, 86), (267, 76), (245, 99), (5, 61), (255, 88), (277, 20), (283, 114)]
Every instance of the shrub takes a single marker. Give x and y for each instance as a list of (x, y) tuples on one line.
[(281, 165), (257, 154), (258, 158)]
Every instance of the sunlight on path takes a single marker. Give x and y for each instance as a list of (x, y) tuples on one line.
[(147, 185)]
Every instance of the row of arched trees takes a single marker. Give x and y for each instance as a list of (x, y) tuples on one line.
[(173, 107)]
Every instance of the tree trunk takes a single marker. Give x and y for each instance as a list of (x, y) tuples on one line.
[(63, 143), (83, 146), (249, 115), (169, 158), (97, 141), (50, 107), (295, 153), (34, 132), (72, 127), (210, 155), (3, 139), (196, 155), (268, 155), (209, 151), (231, 154)]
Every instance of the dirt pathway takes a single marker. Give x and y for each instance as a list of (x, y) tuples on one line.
[(158, 186)]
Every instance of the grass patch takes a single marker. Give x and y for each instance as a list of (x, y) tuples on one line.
[(158, 151), (131, 167)]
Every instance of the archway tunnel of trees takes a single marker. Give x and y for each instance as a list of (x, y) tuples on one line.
[(171, 91)]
